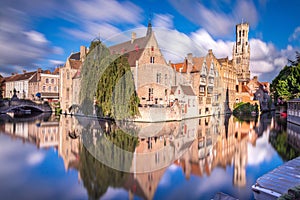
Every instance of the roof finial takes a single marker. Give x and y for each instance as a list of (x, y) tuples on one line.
[(242, 20)]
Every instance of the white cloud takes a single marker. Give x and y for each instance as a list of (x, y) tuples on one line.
[(36, 36), (109, 11), (262, 152), (163, 21), (214, 20), (56, 62), (220, 48), (295, 35), (176, 45), (35, 158), (58, 50)]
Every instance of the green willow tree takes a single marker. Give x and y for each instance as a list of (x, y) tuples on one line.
[(287, 85), (107, 81)]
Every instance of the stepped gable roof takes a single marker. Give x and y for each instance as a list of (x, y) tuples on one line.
[(132, 49), (187, 90)]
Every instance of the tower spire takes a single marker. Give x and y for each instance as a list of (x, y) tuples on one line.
[(149, 29)]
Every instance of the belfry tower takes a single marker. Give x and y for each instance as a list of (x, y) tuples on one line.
[(241, 53)]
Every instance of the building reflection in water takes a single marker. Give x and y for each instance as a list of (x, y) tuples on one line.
[(197, 146)]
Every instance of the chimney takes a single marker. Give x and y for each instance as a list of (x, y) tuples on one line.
[(210, 52), (189, 62), (39, 71), (133, 37), (83, 52), (24, 71)]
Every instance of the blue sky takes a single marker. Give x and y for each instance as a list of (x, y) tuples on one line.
[(36, 33)]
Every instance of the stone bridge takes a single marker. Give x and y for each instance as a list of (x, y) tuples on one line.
[(10, 106)]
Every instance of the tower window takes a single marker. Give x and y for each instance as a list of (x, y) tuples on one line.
[(152, 48)]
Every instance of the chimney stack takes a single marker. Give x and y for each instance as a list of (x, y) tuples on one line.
[(24, 71), (39, 71), (133, 37), (83, 52)]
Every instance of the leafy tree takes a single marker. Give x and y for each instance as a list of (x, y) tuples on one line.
[(287, 85), (107, 82), (297, 61)]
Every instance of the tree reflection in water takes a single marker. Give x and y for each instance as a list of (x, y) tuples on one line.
[(97, 177)]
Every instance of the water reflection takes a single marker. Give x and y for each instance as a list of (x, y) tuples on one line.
[(145, 153)]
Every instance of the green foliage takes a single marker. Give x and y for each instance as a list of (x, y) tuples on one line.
[(97, 177), (99, 154), (107, 81), (287, 85), (245, 109), (280, 142)]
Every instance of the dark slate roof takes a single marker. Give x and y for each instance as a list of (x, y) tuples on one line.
[(75, 56), (187, 90), (133, 50)]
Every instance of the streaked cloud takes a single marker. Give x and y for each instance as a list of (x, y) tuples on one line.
[(216, 21), (163, 21), (295, 35)]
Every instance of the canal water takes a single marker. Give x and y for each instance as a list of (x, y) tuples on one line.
[(64, 157)]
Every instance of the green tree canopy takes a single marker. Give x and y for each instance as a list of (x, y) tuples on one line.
[(107, 81), (287, 83)]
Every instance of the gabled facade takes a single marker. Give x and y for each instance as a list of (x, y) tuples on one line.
[(67, 72), (229, 79), (202, 73), (152, 76)]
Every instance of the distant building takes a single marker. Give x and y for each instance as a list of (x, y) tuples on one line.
[(44, 85), (20, 83), (202, 73), (187, 100)]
